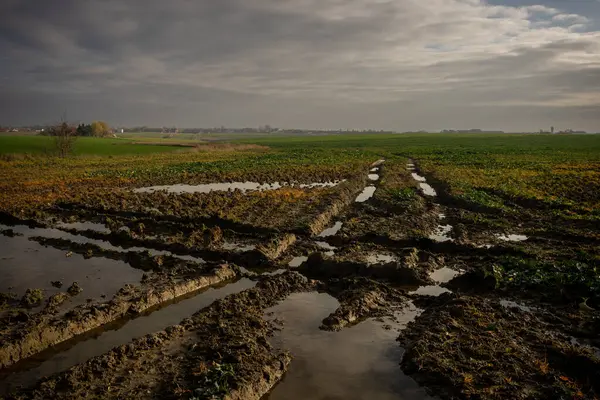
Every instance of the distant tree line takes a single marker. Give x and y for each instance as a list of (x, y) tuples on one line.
[(95, 129)]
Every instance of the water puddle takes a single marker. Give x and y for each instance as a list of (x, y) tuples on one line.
[(27, 264), (432, 290), (440, 234), (84, 226), (366, 194), (444, 275), (512, 238), (51, 233), (418, 177), (238, 247), (427, 189), (373, 177), (98, 342), (439, 276), (333, 230), (297, 261), (359, 362), (330, 250), (227, 186), (325, 246), (380, 258)]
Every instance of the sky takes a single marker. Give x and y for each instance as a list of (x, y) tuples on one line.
[(514, 65)]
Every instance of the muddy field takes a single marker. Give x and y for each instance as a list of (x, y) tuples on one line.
[(377, 280)]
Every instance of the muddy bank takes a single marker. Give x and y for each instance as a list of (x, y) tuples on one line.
[(46, 329), (342, 198), (96, 342), (293, 208), (143, 260), (397, 211), (270, 251), (408, 270), (220, 351), (359, 299), (467, 347), (206, 245)]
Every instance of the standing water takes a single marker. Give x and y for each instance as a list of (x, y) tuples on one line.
[(366, 194), (332, 231), (359, 362), (225, 186)]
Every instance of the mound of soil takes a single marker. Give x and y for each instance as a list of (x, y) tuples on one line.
[(473, 348)]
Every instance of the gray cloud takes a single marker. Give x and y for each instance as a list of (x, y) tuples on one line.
[(396, 64)]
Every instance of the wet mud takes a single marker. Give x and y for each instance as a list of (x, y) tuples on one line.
[(467, 347), (43, 330), (359, 362), (485, 303), (221, 350), (98, 341)]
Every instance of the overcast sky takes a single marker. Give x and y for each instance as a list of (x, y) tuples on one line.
[(383, 64)]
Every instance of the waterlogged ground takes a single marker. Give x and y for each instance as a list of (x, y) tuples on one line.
[(358, 362), (388, 267)]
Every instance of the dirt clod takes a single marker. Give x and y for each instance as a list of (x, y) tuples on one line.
[(74, 289), (32, 298)]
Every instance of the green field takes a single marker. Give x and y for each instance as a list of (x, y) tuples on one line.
[(43, 145)]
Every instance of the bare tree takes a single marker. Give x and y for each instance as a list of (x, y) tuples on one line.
[(64, 135)]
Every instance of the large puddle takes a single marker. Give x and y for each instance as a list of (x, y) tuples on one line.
[(226, 186), (99, 341), (359, 362), (26, 264)]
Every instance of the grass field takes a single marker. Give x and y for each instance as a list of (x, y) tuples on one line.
[(43, 145)]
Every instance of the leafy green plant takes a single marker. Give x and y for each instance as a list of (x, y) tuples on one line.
[(215, 382), (404, 194)]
